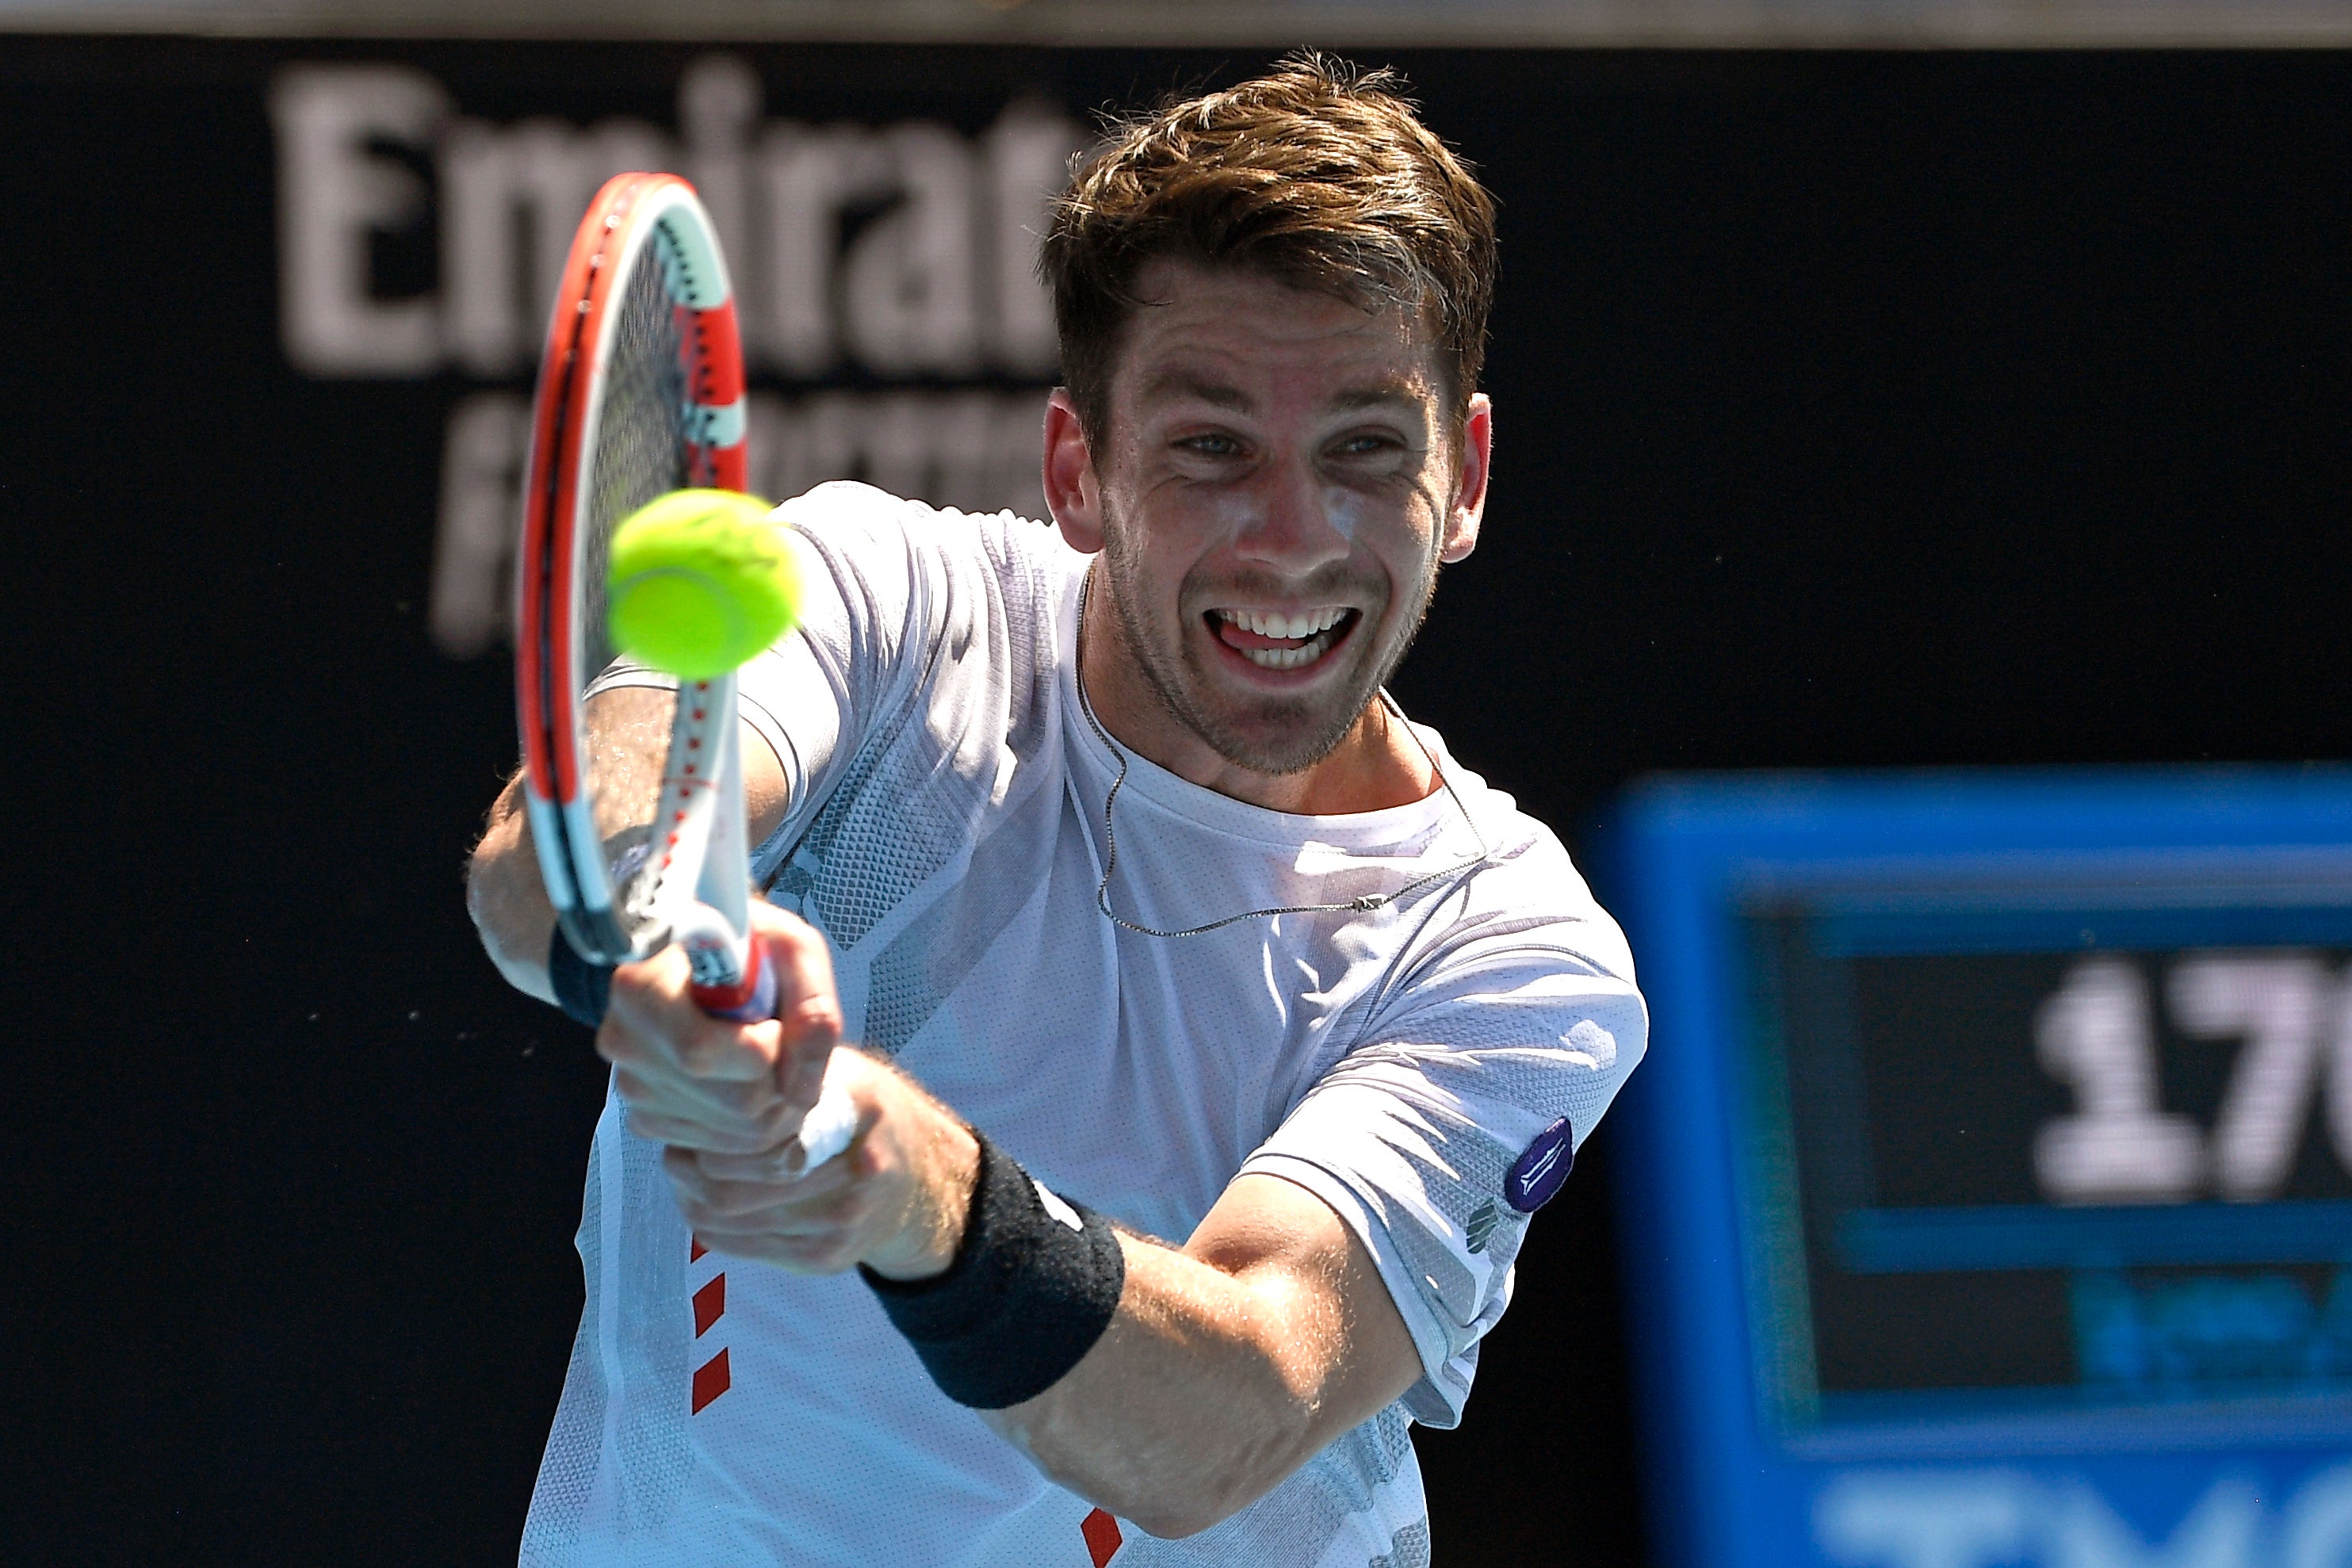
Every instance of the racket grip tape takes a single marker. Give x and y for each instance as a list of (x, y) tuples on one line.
[(750, 1000)]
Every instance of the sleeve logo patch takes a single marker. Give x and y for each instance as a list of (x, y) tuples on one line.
[(1481, 1228), (1537, 1173)]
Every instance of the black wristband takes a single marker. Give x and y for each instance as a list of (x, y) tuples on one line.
[(1026, 1297), (582, 988)]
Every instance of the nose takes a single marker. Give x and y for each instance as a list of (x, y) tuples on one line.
[(1294, 524)]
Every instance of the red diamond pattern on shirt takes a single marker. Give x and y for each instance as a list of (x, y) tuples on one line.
[(711, 1379), (1102, 1540), (709, 1303)]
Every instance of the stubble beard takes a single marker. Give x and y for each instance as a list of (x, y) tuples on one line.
[(1287, 735)]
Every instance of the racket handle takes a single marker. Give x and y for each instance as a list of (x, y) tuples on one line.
[(750, 998)]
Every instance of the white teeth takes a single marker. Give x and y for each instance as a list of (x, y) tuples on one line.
[(1306, 624), (1307, 630)]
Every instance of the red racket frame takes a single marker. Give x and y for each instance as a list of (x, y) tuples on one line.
[(631, 212)]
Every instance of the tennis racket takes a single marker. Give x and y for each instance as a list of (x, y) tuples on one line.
[(640, 393)]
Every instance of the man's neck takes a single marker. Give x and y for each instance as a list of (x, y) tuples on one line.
[(1380, 763)]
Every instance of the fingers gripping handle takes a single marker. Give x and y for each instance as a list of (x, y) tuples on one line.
[(734, 979)]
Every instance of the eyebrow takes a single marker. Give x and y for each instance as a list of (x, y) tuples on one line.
[(1394, 390), (1185, 383), (1220, 394)]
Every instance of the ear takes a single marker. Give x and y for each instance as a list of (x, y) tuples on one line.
[(1073, 492), (1477, 453)]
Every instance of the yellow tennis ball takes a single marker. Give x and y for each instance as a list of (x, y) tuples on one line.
[(701, 583)]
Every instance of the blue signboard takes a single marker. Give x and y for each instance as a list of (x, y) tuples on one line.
[(1988, 1186)]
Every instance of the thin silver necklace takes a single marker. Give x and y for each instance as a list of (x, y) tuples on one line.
[(1365, 904)]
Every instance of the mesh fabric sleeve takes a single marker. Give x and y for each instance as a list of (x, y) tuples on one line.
[(1412, 1137), (816, 692)]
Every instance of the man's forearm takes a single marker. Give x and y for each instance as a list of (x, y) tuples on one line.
[(629, 740), (1211, 1386), (507, 898)]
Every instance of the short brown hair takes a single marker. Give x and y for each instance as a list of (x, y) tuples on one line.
[(1319, 176)]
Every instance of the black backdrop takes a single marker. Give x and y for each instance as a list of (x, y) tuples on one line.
[(1853, 409)]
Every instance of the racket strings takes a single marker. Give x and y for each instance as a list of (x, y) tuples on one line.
[(641, 425), (640, 454)]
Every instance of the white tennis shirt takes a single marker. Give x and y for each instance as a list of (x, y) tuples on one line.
[(946, 833)]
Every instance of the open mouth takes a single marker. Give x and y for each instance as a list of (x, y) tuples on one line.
[(1273, 639)]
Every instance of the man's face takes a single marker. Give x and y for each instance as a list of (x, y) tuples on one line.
[(1276, 491)]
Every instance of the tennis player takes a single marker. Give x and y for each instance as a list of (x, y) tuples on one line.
[(1213, 1032)]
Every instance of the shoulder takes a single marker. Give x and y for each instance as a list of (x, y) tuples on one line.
[(904, 597), (1525, 898), (858, 520)]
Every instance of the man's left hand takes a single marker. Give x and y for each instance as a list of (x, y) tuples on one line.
[(727, 1100)]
